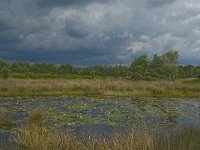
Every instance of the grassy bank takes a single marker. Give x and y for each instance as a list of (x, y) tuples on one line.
[(97, 87)]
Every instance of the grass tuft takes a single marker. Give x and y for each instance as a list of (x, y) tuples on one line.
[(36, 117), (6, 122)]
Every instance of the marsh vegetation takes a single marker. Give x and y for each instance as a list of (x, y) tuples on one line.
[(95, 123), (150, 105), (98, 87), (137, 139)]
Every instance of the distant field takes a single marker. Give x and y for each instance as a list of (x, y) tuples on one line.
[(98, 87)]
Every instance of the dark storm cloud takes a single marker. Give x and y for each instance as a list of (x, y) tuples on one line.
[(72, 57), (76, 28), (4, 26), (88, 32)]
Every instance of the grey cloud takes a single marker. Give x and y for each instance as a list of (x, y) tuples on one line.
[(65, 3), (97, 31), (4, 26), (76, 28), (158, 3)]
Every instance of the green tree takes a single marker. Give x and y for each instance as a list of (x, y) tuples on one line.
[(66, 69), (5, 72), (20, 67), (198, 71), (139, 67), (156, 67), (171, 64), (189, 71), (4, 67), (181, 72)]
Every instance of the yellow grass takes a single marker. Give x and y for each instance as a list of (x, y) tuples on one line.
[(97, 87), (41, 139), (36, 117), (139, 139)]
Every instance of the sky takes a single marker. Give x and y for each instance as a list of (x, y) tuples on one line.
[(91, 32)]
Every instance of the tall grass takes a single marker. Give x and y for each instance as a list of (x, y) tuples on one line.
[(97, 87), (180, 139), (41, 139)]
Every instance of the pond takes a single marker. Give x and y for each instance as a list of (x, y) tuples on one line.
[(101, 116)]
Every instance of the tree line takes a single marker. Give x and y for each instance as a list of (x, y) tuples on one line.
[(164, 66)]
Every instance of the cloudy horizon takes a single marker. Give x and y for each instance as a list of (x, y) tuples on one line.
[(90, 32)]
